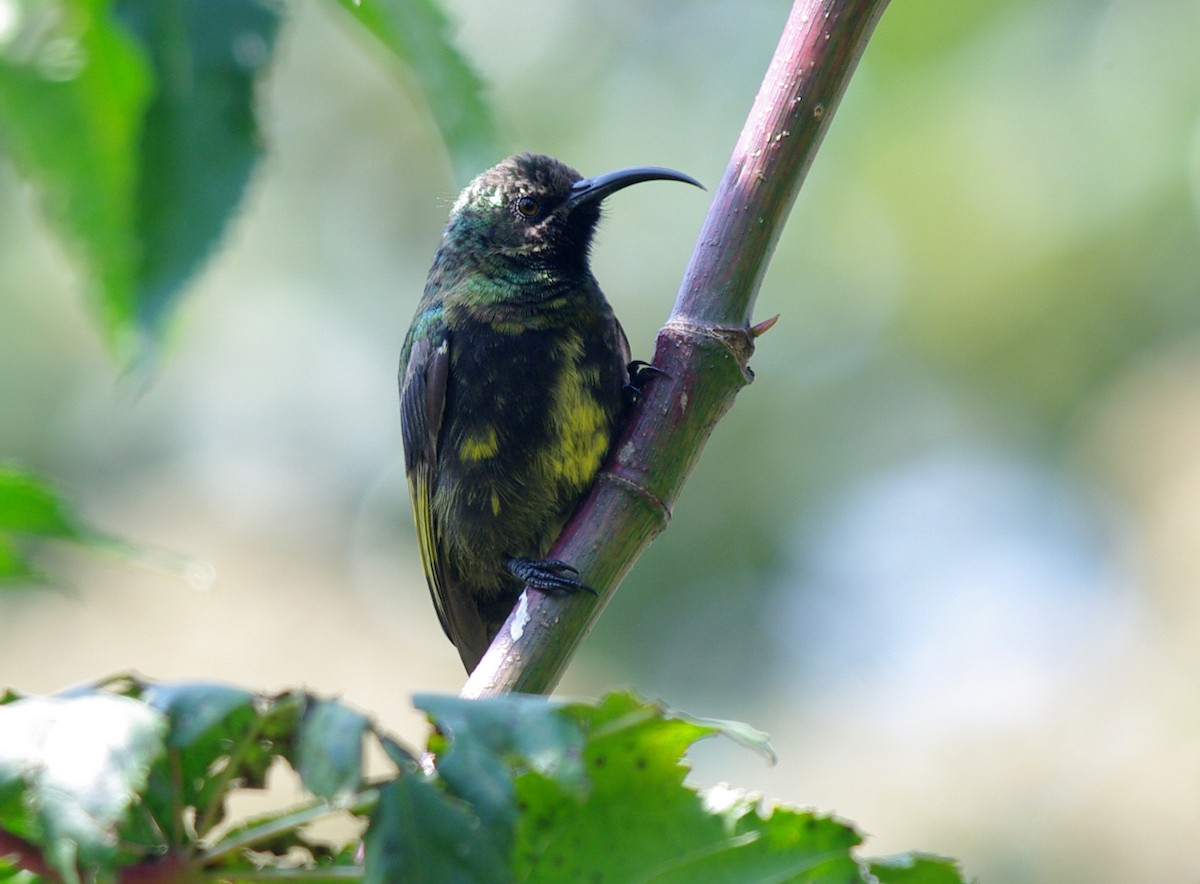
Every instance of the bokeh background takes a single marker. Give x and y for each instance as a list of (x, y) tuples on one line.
[(945, 549)]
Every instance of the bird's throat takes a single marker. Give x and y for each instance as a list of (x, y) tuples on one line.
[(532, 299)]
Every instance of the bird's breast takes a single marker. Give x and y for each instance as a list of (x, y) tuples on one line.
[(581, 416), (532, 409)]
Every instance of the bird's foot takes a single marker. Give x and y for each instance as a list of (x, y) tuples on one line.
[(640, 372), (548, 575)]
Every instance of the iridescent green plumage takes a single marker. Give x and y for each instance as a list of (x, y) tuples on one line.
[(512, 388)]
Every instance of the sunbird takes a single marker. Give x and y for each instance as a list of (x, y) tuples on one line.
[(514, 379)]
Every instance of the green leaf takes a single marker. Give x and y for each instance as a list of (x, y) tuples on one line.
[(76, 764), (200, 140), (420, 834), (15, 569), (487, 741), (135, 119), (11, 875), (73, 87), (329, 749), (229, 739), (417, 33), (595, 791), (916, 868), (124, 774), (210, 741), (782, 844), (213, 728), (199, 712), (30, 508), (738, 731), (28, 505), (404, 760), (636, 812), (459, 826)]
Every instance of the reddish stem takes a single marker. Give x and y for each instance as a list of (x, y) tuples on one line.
[(704, 347)]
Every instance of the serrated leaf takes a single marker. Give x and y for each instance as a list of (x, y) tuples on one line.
[(417, 33), (213, 728), (419, 834), (73, 87), (776, 844), (221, 738), (490, 739), (135, 120), (535, 792), (196, 708), (916, 868), (200, 140), (329, 749), (637, 820), (78, 763), (634, 814), (741, 733)]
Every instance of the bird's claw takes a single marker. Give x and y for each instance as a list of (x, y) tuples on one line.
[(640, 372), (547, 575)]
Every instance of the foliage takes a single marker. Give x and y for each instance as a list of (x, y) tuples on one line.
[(137, 121), (30, 510), (128, 780)]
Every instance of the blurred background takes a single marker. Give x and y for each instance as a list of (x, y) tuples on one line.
[(945, 549)]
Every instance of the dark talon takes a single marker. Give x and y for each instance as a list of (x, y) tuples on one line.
[(547, 575), (640, 372)]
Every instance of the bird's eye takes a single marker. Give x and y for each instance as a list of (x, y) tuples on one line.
[(528, 206)]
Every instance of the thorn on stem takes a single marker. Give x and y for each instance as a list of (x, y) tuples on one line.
[(763, 327)]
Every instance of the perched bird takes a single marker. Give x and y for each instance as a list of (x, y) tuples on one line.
[(513, 382)]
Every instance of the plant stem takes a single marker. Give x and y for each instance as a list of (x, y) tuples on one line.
[(704, 347)]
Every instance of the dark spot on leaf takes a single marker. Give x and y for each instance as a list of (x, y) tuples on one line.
[(599, 761), (641, 763)]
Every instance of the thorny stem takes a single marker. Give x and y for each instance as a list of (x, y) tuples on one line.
[(704, 347)]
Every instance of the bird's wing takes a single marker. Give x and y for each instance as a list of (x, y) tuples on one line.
[(422, 404)]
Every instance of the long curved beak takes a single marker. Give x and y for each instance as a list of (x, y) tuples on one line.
[(588, 190)]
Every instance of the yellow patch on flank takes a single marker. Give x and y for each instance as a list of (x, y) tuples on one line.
[(570, 346), (582, 429), (583, 441), (480, 447)]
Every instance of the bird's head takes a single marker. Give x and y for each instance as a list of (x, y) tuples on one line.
[(536, 208)]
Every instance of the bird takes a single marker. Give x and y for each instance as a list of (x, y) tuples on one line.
[(514, 378)]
